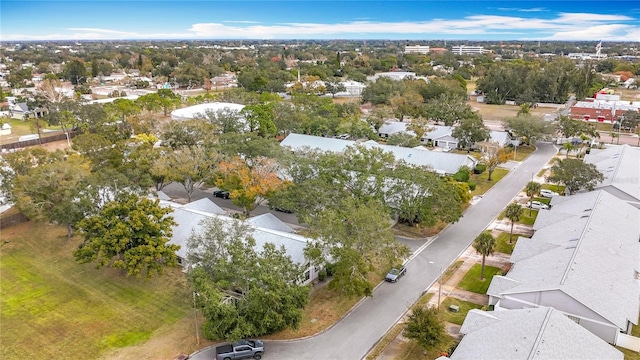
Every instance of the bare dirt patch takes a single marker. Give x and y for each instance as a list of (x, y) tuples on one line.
[(501, 112)]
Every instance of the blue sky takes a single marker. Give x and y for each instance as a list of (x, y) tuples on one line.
[(330, 19)]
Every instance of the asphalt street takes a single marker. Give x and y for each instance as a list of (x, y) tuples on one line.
[(358, 331)]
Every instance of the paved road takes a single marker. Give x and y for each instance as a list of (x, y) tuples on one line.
[(358, 332)]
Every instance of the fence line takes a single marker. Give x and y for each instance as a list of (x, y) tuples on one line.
[(34, 142)]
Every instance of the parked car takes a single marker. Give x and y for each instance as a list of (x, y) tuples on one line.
[(395, 274), (548, 193), (221, 194), (537, 205), (240, 350)]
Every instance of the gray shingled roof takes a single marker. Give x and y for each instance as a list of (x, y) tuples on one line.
[(437, 131), (620, 166), (270, 221), (501, 137), (394, 127), (206, 205), (538, 333), (580, 247), (190, 220), (441, 162)]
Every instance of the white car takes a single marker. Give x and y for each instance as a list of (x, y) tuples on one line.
[(548, 193), (537, 205)]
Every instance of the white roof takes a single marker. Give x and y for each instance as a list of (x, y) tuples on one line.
[(270, 221), (441, 162), (194, 111), (501, 137), (620, 166), (394, 127), (608, 105), (437, 131), (110, 100), (572, 253), (189, 219), (537, 333)]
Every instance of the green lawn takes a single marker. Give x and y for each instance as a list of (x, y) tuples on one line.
[(553, 187), (522, 152), (482, 184), (525, 218), (410, 350), (471, 281), (52, 307), (456, 317), (502, 243)]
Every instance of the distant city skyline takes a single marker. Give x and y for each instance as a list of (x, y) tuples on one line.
[(585, 20)]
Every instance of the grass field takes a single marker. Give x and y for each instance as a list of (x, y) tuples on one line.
[(472, 282), (19, 128), (483, 185), (456, 317), (52, 307)]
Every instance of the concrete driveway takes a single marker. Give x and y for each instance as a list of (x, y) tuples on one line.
[(358, 331)]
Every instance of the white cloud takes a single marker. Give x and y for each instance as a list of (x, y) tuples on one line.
[(241, 22), (565, 26), (102, 31), (600, 32), (538, 9)]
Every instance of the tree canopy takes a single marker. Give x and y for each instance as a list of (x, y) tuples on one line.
[(244, 291), (425, 327), (354, 237), (575, 174), (131, 234)]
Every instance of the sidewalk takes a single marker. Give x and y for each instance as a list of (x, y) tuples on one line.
[(470, 257)]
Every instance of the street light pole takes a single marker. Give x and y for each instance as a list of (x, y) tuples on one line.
[(439, 288), (195, 318)]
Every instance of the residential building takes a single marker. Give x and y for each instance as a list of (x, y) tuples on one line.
[(396, 75), (265, 229), (582, 261), (537, 333), (438, 136), (416, 49), (441, 162), (620, 166), (352, 88), (468, 50), (200, 110), (21, 111), (392, 127)]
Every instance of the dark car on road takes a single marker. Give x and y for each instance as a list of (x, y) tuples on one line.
[(395, 274), (221, 194)]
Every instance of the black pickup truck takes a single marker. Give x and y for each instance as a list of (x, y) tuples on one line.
[(240, 350)]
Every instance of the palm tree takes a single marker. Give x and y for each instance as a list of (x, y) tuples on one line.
[(532, 189), (513, 213), (484, 244), (569, 147)]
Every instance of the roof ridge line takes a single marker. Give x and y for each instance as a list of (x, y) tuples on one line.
[(580, 239), (536, 343), (619, 160)]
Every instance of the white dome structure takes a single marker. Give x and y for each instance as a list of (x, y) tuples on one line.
[(195, 111)]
